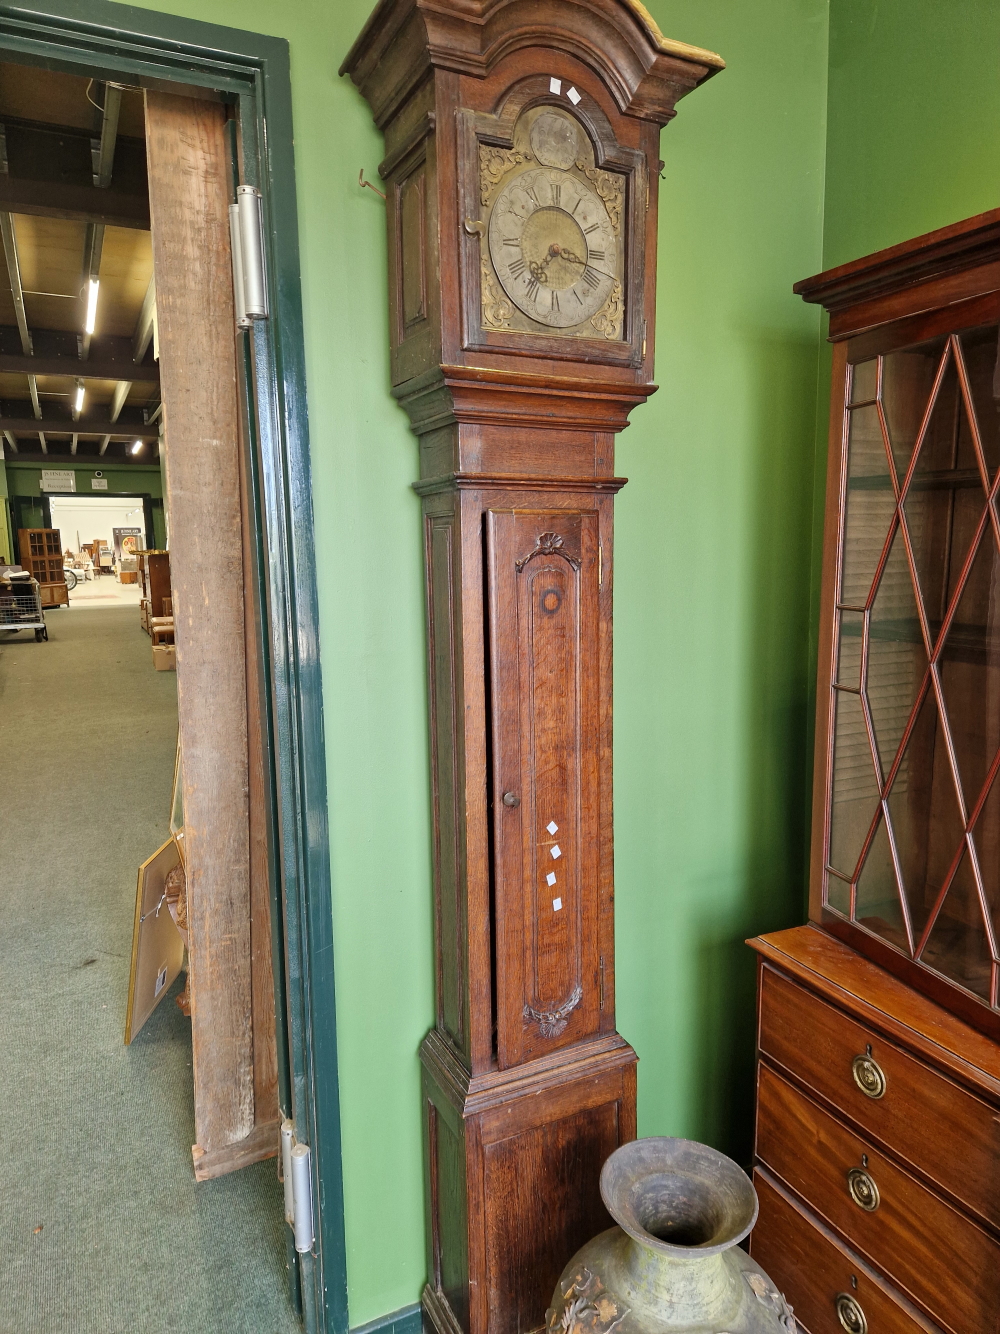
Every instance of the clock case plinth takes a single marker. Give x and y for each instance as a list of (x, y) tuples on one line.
[(527, 1085)]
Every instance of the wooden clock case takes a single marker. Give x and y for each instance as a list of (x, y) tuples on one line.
[(527, 1084)]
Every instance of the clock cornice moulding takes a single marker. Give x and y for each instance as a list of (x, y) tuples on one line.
[(646, 72)]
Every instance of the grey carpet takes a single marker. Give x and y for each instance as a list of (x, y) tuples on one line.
[(103, 1229)]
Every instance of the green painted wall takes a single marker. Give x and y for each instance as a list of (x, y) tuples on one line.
[(6, 539), (24, 478), (914, 118), (712, 586)]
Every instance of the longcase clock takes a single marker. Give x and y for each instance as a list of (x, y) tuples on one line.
[(522, 163)]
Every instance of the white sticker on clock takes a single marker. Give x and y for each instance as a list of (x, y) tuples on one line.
[(552, 827), (573, 95), (555, 852), (556, 904), (555, 85), (550, 879)]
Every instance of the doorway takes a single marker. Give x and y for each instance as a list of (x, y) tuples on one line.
[(80, 519), (235, 69)]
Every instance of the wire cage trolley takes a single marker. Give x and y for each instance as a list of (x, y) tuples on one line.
[(21, 607)]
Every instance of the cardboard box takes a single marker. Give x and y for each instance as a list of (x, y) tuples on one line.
[(164, 657)]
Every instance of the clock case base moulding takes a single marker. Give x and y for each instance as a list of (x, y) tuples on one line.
[(527, 1085)]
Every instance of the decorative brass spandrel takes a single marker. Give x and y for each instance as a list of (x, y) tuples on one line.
[(494, 165)]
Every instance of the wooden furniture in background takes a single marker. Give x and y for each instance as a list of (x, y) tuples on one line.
[(40, 551), (522, 165), (219, 708), (906, 809), (153, 568), (878, 1098), (877, 1151)]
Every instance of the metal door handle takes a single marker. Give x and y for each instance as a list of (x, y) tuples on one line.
[(863, 1190), (850, 1314), (869, 1075)]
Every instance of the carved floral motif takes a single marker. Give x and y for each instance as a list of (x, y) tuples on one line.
[(494, 164), (608, 320), (497, 310), (611, 188), (589, 1308), (552, 1022)]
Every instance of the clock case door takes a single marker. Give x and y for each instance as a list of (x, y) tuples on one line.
[(543, 573), (487, 159)]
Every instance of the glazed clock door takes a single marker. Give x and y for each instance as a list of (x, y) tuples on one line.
[(543, 573)]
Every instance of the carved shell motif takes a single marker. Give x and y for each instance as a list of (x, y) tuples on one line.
[(589, 1308), (547, 544)]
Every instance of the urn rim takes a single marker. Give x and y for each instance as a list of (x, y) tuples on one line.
[(678, 1197)]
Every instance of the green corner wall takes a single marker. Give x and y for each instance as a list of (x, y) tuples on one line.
[(914, 115), (712, 581)]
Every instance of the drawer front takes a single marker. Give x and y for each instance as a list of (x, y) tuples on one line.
[(929, 1250), (948, 1135), (814, 1272)]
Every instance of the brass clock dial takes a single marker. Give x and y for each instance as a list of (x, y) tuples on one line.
[(553, 247)]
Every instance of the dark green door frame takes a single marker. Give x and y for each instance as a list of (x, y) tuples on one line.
[(103, 40)]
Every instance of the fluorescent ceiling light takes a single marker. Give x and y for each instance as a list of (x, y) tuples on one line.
[(93, 288), (80, 395), (136, 447)]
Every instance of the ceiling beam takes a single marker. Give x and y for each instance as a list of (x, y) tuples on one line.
[(82, 203), (11, 439), (120, 395), (144, 324), (109, 136), (48, 343), (58, 454), (93, 369), (16, 289), (14, 274), (89, 425)]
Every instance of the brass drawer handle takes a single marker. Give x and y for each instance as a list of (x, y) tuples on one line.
[(850, 1314), (863, 1189), (869, 1075)]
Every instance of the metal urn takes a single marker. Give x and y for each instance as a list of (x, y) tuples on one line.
[(672, 1265)]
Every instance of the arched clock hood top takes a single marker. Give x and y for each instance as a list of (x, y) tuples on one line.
[(647, 72)]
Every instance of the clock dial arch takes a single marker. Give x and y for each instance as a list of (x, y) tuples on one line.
[(553, 247)]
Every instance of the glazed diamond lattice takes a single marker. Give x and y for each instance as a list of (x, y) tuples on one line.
[(914, 850)]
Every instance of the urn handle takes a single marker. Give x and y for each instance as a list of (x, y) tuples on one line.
[(869, 1075), (850, 1314)]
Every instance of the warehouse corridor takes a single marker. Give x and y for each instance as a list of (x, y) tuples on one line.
[(104, 1229)]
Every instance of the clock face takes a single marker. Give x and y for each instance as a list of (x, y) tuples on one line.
[(553, 247)]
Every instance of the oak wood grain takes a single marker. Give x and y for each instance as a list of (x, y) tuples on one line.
[(189, 196)]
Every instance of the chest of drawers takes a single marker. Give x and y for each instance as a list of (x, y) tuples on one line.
[(877, 1147)]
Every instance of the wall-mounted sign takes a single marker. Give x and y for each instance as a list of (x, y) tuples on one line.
[(127, 541), (57, 479), (99, 483)]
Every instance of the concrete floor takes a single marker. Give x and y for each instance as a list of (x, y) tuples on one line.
[(103, 1229)]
